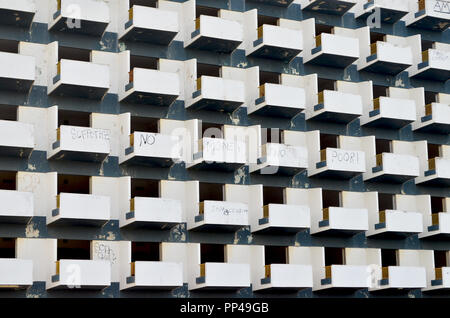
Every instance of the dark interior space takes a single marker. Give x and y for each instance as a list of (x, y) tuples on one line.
[(144, 124), (433, 150), (264, 19), (437, 204), (426, 45), (325, 84), (203, 10), (430, 97), (211, 130), (273, 195), (144, 188), (322, 28), (440, 259), (145, 251), (328, 141), (73, 249), (271, 135), (71, 53), (331, 198), (8, 112), (269, 77), (73, 184), (9, 46), (212, 253), (382, 145), (74, 118), (8, 180), (385, 201), (375, 36), (275, 254), (334, 256), (379, 90), (145, 3), (211, 191), (389, 257), (143, 62), (7, 247), (208, 70)]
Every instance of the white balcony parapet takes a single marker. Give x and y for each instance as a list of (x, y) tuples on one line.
[(17, 12), (403, 277), (441, 279), (431, 14), (390, 112), (15, 273), (284, 217), (80, 79), (334, 7), (335, 161), (216, 34), (345, 276), (394, 167), (151, 25), (17, 72), (292, 276), (282, 159), (16, 206), (390, 10), (436, 119), (278, 3), (344, 219), (223, 275), (440, 225), (155, 275), (279, 100), (154, 211), (151, 87), (434, 65), (224, 214), (336, 106), (387, 58), (81, 208), (438, 172), (400, 222), (75, 274), (16, 138), (80, 143), (333, 50)]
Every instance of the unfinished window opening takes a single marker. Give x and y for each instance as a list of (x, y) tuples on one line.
[(375, 36), (211, 191), (74, 118), (433, 151), (441, 259), (269, 77), (73, 184), (385, 201), (334, 256), (275, 255), (426, 45), (437, 204), (145, 3), (389, 257), (328, 141), (7, 180), (144, 124), (379, 90), (143, 62), (7, 248), (430, 97), (208, 70), (71, 53), (322, 28), (273, 195), (325, 84), (331, 198), (202, 10), (74, 249), (383, 145), (210, 130), (145, 251), (271, 135), (144, 188), (8, 112), (9, 46), (264, 19), (212, 253)]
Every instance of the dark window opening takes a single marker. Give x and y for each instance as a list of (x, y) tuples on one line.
[(374, 37), (275, 255), (144, 124), (328, 141), (269, 77), (331, 198), (379, 90), (74, 118), (385, 201), (73, 184), (426, 45), (143, 62), (264, 19), (440, 259), (9, 46), (7, 248), (273, 195), (334, 256), (389, 257), (211, 191), (271, 135), (202, 10), (430, 97), (145, 3), (433, 151), (208, 70), (8, 112), (437, 204), (8, 180), (322, 28), (144, 188), (382, 145), (210, 130), (71, 53), (145, 251), (325, 84), (74, 249), (214, 253)]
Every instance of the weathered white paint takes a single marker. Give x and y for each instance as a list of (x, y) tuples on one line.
[(88, 10), (16, 203), (345, 160), (401, 221), (221, 89), (224, 213), (338, 102), (156, 210), (350, 276), (154, 82), (156, 145), (348, 218), (222, 150), (289, 215), (406, 277), (283, 155), (281, 37), (16, 134), (395, 5), (291, 275), (226, 275), (157, 274), (400, 164), (17, 67), (16, 272), (282, 96)]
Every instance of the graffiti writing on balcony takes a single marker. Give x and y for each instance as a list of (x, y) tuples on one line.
[(146, 139), (215, 145), (227, 210), (104, 252), (89, 134), (344, 157), (442, 6)]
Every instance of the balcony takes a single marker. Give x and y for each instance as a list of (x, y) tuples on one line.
[(436, 119), (17, 72), (442, 279), (431, 15), (282, 159), (278, 101), (81, 144), (335, 106), (340, 163), (16, 138), (17, 207), (223, 276), (80, 274), (334, 7), (16, 273), (284, 218), (403, 277), (216, 34), (344, 220), (155, 275), (390, 11), (440, 225), (346, 276), (219, 154), (80, 16), (394, 168), (438, 173), (151, 25), (278, 3), (333, 50), (287, 276), (153, 213), (17, 12), (219, 94), (390, 112), (221, 215), (85, 209), (80, 79), (151, 87), (277, 43), (387, 58), (434, 66), (398, 223)]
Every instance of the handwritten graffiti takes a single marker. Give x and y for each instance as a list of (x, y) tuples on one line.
[(89, 133), (228, 210), (147, 139), (350, 157), (105, 252), (442, 6)]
